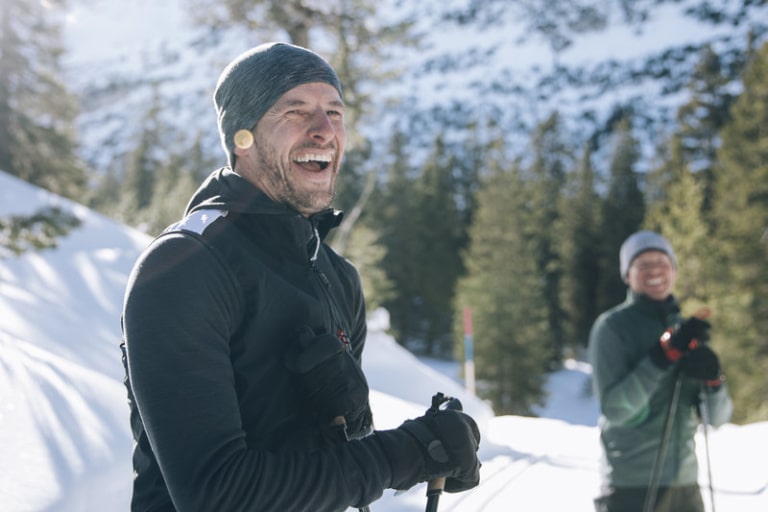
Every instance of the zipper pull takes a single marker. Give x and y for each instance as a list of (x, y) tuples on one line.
[(343, 338)]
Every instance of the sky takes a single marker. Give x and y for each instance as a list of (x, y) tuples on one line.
[(65, 443)]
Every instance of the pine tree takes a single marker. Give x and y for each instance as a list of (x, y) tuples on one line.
[(702, 117), (546, 179), (741, 240), (423, 235), (367, 253), (694, 143), (140, 171), (622, 213), (158, 176), (687, 231), (680, 190), (579, 243), (37, 142), (394, 203), (505, 291), (437, 248)]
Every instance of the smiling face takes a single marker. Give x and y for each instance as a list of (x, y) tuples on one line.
[(298, 147), (652, 274)]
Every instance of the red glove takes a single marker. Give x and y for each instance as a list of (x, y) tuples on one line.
[(675, 343)]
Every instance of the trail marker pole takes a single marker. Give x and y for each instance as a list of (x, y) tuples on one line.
[(469, 356)]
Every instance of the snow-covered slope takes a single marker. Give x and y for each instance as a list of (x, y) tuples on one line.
[(64, 437)]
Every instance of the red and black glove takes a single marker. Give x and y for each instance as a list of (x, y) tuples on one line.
[(702, 363), (677, 342)]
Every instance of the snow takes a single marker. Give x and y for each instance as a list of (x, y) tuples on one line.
[(64, 435), (124, 56)]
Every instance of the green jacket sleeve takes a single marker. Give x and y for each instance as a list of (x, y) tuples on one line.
[(719, 407), (623, 387)]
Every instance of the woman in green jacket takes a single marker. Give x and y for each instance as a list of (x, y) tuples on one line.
[(652, 368)]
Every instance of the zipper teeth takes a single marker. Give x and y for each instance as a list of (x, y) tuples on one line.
[(335, 310)]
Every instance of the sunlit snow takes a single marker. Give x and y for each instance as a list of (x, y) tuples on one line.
[(64, 438)]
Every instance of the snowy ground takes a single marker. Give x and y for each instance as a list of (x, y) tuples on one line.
[(64, 438)]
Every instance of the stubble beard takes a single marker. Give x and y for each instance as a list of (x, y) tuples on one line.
[(287, 191)]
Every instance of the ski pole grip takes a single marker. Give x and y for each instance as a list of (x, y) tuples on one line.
[(436, 486), (439, 401)]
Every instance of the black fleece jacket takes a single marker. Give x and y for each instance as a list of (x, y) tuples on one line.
[(210, 311)]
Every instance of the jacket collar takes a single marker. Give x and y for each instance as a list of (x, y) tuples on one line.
[(668, 309)]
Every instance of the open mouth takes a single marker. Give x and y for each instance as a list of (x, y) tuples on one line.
[(314, 162), (654, 282)]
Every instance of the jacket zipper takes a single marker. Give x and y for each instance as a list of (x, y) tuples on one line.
[(336, 316)]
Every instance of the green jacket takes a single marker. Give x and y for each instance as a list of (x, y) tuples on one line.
[(635, 395)]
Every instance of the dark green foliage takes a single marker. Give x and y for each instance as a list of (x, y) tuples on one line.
[(21, 233), (579, 248), (37, 142), (437, 249), (157, 180), (741, 244), (367, 253), (423, 237), (506, 293), (622, 213), (546, 179), (393, 205)]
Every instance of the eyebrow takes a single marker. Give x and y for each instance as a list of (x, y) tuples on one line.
[(299, 102)]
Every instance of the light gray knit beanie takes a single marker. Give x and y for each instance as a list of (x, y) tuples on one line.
[(253, 82), (640, 242)]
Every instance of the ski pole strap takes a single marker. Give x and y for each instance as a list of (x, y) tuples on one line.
[(672, 352)]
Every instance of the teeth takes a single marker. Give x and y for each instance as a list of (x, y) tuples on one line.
[(313, 158), (653, 282)]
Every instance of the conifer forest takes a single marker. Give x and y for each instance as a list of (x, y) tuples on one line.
[(513, 202)]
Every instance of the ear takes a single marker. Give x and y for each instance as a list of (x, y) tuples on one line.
[(240, 152)]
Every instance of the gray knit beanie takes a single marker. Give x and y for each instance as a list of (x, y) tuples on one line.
[(640, 242), (253, 82)]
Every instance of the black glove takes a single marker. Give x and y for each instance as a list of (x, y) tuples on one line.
[(701, 363), (692, 328), (442, 443), (679, 341), (333, 382)]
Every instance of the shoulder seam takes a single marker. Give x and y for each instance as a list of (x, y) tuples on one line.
[(197, 221)]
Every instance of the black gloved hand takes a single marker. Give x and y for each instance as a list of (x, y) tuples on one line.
[(692, 328), (675, 343), (442, 443), (702, 363), (333, 382)]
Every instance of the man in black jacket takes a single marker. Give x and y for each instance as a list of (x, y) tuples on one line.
[(243, 332)]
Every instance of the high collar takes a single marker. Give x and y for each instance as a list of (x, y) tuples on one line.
[(668, 309), (226, 190)]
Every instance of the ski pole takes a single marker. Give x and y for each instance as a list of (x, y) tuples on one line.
[(435, 487), (653, 487), (704, 411)]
